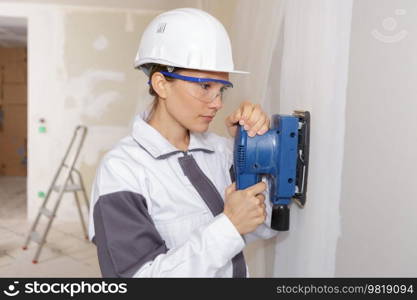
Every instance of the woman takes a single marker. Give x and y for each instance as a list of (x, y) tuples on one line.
[(163, 201)]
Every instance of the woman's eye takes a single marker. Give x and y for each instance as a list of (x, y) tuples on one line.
[(223, 89), (205, 85)]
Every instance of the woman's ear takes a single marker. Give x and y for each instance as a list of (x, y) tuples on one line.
[(159, 84)]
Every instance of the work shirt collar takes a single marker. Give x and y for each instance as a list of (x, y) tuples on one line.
[(157, 145)]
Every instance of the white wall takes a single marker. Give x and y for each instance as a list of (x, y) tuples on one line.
[(360, 218), (379, 206), (355, 70)]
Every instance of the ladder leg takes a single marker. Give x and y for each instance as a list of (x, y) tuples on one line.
[(32, 229), (45, 201), (35, 223), (48, 226), (87, 203), (77, 201), (40, 246), (46, 231)]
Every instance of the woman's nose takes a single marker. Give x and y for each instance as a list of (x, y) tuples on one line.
[(217, 102)]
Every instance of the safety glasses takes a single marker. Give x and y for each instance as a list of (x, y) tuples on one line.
[(203, 89)]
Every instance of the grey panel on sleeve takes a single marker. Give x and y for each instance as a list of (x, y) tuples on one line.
[(213, 199), (125, 234)]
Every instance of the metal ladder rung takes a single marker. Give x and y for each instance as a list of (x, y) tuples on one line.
[(46, 212), (34, 236), (68, 188)]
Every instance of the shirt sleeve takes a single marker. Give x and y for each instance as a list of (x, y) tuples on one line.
[(129, 245)]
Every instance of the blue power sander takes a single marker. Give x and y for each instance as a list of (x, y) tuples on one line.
[(282, 155)]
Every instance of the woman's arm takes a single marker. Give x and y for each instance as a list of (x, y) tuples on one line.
[(129, 245)]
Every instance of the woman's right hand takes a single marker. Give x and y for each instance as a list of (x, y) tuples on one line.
[(245, 208)]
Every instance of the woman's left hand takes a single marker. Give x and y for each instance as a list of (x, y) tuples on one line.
[(251, 116)]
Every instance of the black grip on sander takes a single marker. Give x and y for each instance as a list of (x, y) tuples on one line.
[(280, 219)]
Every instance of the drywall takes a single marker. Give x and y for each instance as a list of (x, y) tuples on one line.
[(314, 78), (297, 53), (378, 205)]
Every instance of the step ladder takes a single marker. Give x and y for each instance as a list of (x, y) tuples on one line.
[(71, 182)]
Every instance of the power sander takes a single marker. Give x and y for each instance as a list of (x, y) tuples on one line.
[(281, 154)]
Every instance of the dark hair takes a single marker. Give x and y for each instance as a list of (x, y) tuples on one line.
[(152, 69)]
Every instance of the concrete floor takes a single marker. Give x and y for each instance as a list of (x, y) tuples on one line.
[(66, 254)]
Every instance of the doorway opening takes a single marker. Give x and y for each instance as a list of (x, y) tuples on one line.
[(13, 117)]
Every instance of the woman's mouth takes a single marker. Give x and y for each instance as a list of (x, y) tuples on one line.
[(207, 118)]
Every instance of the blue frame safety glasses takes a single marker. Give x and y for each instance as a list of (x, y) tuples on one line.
[(204, 89)]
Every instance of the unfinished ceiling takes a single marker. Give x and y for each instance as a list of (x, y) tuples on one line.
[(13, 32), (134, 4)]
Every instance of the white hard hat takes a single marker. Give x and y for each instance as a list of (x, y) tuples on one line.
[(187, 38)]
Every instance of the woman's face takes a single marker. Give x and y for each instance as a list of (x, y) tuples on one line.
[(194, 105)]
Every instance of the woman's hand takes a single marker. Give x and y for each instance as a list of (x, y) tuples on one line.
[(251, 116), (245, 208)]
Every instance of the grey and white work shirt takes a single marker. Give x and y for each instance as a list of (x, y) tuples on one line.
[(158, 211)]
